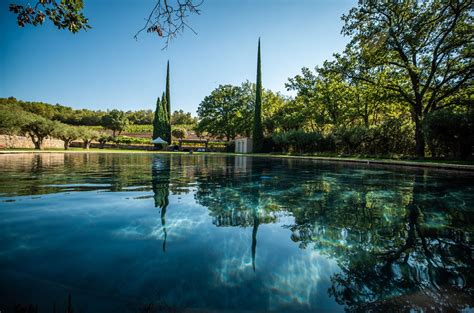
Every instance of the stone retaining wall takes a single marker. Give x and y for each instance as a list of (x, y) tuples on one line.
[(20, 142)]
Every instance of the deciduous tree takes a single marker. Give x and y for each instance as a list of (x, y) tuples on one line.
[(116, 121), (224, 113), (426, 47)]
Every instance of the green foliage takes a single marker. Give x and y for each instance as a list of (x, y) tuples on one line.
[(66, 133), (139, 129), (391, 137), (300, 141), (130, 140), (103, 139), (179, 133), (326, 98), (450, 133), (225, 113), (116, 121), (87, 135), (273, 104), (140, 117), (230, 147), (37, 128), (257, 132), (164, 130), (166, 119), (11, 120), (350, 140), (424, 47), (168, 92), (64, 14), (160, 122), (71, 116), (180, 117)]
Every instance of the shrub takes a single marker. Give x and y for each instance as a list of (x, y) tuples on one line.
[(302, 142), (268, 145), (350, 140), (103, 140), (130, 140), (230, 147), (450, 133), (392, 136)]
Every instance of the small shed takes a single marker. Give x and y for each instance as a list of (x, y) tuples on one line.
[(243, 145)]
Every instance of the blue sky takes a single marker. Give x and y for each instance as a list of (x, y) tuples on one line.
[(106, 68)]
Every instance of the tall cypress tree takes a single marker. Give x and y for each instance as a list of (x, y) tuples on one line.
[(168, 102), (164, 108), (156, 119), (257, 120), (160, 120)]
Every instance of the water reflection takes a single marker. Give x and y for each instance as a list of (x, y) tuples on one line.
[(160, 180), (400, 239)]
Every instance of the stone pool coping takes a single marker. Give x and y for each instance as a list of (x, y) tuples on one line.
[(368, 161)]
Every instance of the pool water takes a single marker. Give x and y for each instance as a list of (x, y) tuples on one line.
[(193, 233)]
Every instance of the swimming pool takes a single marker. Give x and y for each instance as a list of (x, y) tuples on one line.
[(172, 233)]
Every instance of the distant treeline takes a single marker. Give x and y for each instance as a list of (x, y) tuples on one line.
[(39, 121), (86, 117), (68, 115)]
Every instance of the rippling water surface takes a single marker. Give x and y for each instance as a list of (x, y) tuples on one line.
[(182, 233)]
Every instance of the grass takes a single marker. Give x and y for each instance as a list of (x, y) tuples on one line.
[(389, 160)]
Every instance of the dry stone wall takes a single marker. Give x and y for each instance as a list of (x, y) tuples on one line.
[(20, 142)]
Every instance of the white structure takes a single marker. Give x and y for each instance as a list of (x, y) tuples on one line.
[(243, 145), (158, 140)]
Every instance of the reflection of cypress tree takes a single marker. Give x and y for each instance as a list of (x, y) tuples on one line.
[(235, 199), (256, 223), (254, 200), (160, 179)]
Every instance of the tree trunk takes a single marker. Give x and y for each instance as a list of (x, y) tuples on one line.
[(66, 145), (419, 139), (38, 144), (87, 144)]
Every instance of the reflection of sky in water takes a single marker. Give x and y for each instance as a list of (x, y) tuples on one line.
[(100, 233)]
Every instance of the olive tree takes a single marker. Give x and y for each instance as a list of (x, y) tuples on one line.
[(66, 133), (11, 120), (37, 128), (87, 135)]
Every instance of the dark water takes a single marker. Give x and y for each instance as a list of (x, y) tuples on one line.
[(181, 233)]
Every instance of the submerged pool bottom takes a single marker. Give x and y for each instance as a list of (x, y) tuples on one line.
[(182, 233)]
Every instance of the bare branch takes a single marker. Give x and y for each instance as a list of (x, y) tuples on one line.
[(167, 19)]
